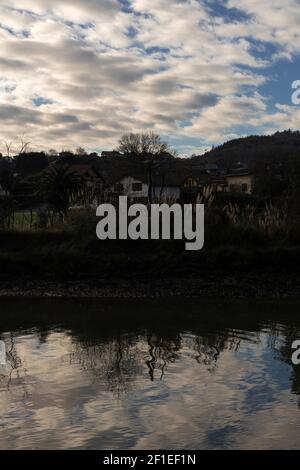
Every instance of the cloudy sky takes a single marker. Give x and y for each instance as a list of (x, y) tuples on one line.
[(199, 72)]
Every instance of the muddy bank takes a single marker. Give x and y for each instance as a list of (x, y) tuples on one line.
[(216, 286)]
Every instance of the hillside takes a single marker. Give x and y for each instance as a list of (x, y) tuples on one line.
[(254, 150)]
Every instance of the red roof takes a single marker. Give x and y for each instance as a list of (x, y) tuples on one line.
[(83, 169)]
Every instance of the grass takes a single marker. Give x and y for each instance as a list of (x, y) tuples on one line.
[(237, 241), (27, 220), (24, 220), (62, 255)]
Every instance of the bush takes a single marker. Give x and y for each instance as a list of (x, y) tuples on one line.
[(82, 224)]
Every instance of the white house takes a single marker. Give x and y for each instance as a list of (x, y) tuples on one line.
[(241, 182), (133, 188), (137, 190)]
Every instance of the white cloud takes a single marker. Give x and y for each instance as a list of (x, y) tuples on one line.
[(168, 65), (277, 21)]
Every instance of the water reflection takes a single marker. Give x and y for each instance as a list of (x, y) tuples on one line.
[(155, 374)]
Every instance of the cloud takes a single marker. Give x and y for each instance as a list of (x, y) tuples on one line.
[(180, 67), (235, 402), (277, 22)]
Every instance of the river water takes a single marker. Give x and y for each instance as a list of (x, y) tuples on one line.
[(156, 374)]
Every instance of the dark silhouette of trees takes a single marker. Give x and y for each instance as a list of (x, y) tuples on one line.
[(81, 151), (8, 147), (293, 193), (7, 179), (22, 148), (57, 186), (31, 163), (144, 144)]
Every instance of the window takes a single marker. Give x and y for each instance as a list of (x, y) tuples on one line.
[(190, 183), (137, 187), (244, 188), (119, 188)]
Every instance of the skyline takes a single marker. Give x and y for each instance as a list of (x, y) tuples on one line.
[(197, 72)]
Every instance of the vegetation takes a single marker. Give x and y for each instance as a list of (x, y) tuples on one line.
[(237, 240), (144, 144), (42, 238), (57, 186)]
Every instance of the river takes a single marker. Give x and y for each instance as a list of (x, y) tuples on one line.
[(149, 374)]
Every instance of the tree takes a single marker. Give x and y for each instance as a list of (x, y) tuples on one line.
[(293, 192), (31, 163), (80, 151), (8, 147), (23, 147), (57, 186), (6, 211), (151, 148), (144, 144), (52, 153), (7, 179)]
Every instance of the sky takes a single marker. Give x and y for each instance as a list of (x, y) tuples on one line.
[(198, 72)]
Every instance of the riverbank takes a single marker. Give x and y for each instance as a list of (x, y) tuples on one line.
[(213, 286), (73, 263)]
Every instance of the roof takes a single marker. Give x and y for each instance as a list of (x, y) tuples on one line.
[(136, 175), (82, 169), (168, 173), (238, 173)]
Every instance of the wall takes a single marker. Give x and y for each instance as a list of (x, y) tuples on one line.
[(239, 181), (127, 183)]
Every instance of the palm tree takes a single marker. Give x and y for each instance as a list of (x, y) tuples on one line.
[(7, 179), (57, 186), (7, 182)]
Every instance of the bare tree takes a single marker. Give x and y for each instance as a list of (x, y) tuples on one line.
[(8, 147), (144, 143), (80, 151), (24, 146)]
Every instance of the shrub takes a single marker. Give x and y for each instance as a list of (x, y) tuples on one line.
[(82, 224)]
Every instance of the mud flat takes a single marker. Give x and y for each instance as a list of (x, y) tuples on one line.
[(214, 286)]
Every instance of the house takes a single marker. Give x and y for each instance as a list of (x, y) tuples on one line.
[(94, 182), (134, 187), (191, 182), (167, 181), (239, 181), (218, 183), (198, 179), (165, 187), (88, 172)]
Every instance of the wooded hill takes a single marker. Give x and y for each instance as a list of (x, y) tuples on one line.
[(254, 150)]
